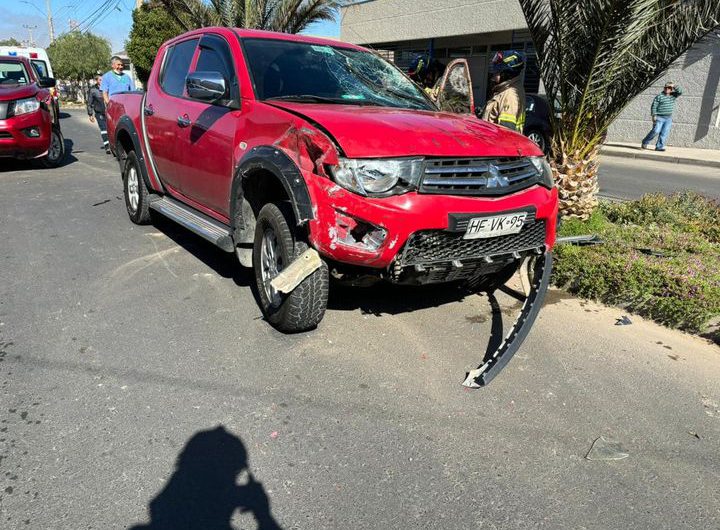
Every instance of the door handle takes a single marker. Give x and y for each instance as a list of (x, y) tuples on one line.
[(183, 121), (149, 111)]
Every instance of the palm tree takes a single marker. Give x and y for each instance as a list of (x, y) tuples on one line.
[(595, 56), (288, 16)]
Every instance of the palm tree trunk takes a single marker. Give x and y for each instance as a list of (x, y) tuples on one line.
[(577, 181)]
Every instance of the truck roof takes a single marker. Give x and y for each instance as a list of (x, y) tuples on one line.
[(260, 34)]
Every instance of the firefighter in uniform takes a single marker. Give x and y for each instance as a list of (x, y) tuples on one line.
[(507, 104), (427, 73)]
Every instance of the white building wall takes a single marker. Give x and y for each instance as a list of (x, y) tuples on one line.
[(695, 121), (378, 21)]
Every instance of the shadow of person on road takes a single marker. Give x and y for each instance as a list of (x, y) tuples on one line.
[(203, 492)]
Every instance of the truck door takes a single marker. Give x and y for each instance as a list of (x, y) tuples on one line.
[(207, 143), (456, 91), (164, 106)]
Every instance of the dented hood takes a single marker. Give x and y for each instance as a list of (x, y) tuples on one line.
[(364, 132)]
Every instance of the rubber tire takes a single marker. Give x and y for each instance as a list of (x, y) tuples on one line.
[(304, 308), (489, 283), (45, 161), (141, 216)]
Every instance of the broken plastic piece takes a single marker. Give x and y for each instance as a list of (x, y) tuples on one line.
[(293, 275), (580, 240), (623, 321), (495, 362), (606, 450)]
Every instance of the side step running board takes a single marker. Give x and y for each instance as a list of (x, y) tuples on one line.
[(206, 227)]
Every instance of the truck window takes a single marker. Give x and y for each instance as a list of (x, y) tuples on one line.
[(40, 67), (177, 65), (302, 71), (12, 72), (215, 57)]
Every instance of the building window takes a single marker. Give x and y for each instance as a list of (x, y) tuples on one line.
[(457, 53)]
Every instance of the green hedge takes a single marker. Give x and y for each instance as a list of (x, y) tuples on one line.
[(660, 259)]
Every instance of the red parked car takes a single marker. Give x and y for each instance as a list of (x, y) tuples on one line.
[(312, 158), (29, 121)]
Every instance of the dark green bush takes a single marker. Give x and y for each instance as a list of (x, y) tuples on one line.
[(660, 259)]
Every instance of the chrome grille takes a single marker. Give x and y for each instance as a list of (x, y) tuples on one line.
[(432, 246), (482, 176)]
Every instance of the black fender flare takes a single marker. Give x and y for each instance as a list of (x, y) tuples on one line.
[(127, 125), (278, 163)]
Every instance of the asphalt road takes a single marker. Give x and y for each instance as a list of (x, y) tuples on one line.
[(139, 385), (625, 178)]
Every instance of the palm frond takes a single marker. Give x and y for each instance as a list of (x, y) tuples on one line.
[(595, 56)]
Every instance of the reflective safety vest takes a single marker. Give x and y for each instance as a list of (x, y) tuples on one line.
[(507, 105)]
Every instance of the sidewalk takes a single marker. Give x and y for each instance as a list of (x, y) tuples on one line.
[(675, 155)]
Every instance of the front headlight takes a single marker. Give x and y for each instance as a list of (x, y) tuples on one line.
[(376, 176), (541, 164), (23, 106)]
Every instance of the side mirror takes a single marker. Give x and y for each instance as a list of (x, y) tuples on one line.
[(206, 86), (46, 82)]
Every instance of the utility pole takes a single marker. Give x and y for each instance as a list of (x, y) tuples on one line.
[(51, 27), (30, 30), (138, 3)]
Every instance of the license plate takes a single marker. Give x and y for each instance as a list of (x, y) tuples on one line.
[(499, 225)]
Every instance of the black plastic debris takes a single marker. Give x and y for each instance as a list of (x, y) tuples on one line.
[(580, 241)]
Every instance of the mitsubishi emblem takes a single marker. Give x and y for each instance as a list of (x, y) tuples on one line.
[(495, 179)]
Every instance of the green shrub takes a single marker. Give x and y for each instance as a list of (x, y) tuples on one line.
[(660, 259)]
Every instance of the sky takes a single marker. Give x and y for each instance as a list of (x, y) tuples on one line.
[(111, 19)]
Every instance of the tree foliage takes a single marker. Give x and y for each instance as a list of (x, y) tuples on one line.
[(288, 16), (152, 25), (79, 56), (595, 56), (12, 41)]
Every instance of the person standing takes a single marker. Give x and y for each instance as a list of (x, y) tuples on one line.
[(115, 80), (507, 104), (96, 111), (662, 110)]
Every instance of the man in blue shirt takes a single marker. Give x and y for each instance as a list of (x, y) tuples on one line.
[(115, 80)]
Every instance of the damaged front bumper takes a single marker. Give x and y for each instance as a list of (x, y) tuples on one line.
[(417, 238)]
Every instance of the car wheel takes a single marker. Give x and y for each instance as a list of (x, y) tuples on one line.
[(274, 248), (56, 150), (539, 139), (136, 193)]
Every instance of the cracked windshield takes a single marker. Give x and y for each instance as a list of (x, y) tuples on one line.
[(307, 73)]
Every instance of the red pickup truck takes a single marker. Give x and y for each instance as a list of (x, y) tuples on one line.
[(312, 158), (29, 124)]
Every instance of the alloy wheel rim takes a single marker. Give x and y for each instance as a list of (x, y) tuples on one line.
[(271, 263), (133, 189), (538, 139)]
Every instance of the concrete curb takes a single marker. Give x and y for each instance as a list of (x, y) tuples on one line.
[(649, 155)]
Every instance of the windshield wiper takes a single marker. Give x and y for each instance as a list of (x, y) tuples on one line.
[(310, 98)]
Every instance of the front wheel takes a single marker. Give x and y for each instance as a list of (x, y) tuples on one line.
[(56, 150), (274, 248), (136, 193)]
